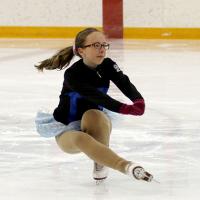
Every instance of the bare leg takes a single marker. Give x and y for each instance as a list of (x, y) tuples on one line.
[(98, 125), (94, 143), (93, 140)]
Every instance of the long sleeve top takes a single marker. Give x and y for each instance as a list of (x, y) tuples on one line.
[(85, 88)]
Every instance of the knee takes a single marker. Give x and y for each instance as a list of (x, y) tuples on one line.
[(73, 143), (92, 114), (95, 119)]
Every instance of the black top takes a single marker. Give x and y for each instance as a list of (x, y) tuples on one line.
[(85, 88)]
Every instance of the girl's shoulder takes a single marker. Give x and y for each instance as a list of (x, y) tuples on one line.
[(75, 66), (109, 65), (70, 72)]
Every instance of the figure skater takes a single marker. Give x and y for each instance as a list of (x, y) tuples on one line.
[(79, 123)]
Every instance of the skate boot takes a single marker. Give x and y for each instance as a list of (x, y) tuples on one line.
[(138, 172), (100, 172)]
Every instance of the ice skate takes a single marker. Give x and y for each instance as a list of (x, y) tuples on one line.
[(138, 172), (100, 172)]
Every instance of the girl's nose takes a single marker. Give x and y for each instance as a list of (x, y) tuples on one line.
[(102, 49)]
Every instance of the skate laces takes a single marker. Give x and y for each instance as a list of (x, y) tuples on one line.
[(98, 167), (100, 172), (138, 172)]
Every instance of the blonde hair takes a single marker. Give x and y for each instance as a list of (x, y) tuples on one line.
[(63, 57)]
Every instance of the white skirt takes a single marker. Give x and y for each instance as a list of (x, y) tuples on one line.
[(47, 126)]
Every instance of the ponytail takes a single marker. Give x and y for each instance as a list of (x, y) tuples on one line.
[(63, 58), (58, 61)]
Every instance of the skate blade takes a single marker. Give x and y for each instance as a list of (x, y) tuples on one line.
[(150, 179), (154, 180)]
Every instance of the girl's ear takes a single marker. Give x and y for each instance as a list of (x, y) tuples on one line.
[(80, 51)]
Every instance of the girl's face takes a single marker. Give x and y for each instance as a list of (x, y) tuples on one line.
[(94, 50)]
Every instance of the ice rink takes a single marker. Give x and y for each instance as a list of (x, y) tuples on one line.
[(165, 140)]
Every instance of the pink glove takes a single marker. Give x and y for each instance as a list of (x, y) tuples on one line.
[(136, 109)]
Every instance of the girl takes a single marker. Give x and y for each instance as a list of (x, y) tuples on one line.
[(79, 123)]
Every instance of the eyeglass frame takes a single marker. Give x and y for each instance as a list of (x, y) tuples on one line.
[(106, 46)]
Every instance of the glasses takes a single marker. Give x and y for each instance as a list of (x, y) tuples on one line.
[(98, 45)]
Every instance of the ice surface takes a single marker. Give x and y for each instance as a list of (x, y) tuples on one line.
[(166, 140)]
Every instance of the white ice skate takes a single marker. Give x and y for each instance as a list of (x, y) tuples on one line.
[(138, 172), (100, 172)]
